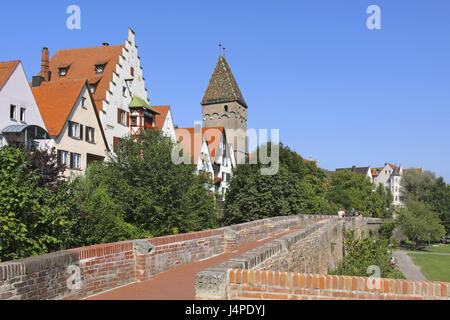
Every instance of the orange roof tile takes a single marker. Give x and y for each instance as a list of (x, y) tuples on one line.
[(161, 117), (81, 64), (56, 100), (187, 138), (6, 69)]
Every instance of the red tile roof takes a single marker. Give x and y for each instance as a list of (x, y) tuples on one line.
[(81, 64), (161, 117), (56, 100), (6, 69), (187, 138)]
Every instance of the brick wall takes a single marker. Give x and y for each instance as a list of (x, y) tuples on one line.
[(277, 285), (314, 248), (81, 272)]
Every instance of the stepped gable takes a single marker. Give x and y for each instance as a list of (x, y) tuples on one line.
[(80, 64)]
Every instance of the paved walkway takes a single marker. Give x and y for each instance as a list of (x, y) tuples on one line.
[(176, 284), (407, 266)]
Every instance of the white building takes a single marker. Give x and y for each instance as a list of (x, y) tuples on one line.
[(390, 176), (69, 112), (20, 119), (114, 76), (210, 152), (164, 122)]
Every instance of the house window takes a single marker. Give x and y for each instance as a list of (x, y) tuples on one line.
[(117, 143), (75, 161), (62, 72), (122, 117), (62, 157), (75, 130), (83, 102), (226, 108), (133, 121), (22, 114), (99, 68), (124, 91), (12, 112), (90, 134)]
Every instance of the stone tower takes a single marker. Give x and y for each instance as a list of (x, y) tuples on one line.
[(224, 106)]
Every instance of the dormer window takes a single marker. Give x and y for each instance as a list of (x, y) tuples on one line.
[(99, 68), (62, 72), (93, 87)]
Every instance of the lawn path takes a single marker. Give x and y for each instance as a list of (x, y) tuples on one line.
[(407, 266)]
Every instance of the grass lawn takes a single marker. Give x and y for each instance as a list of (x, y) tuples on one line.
[(445, 249), (433, 267)]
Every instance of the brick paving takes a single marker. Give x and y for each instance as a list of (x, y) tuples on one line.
[(176, 284)]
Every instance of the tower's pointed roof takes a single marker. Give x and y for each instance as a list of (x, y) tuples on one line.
[(222, 86)]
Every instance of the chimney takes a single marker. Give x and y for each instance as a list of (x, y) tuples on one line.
[(45, 65), (36, 82)]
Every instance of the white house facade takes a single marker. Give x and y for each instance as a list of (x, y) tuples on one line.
[(20, 119), (114, 75)]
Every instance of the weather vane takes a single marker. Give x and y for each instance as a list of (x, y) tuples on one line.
[(222, 50)]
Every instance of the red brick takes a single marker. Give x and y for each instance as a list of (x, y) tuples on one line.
[(282, 279), (232, 276), (315, 282), (275, 296), (244, 275), (251, 295), (251, 277)]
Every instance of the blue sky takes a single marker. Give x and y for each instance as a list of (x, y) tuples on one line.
[(337, 91)]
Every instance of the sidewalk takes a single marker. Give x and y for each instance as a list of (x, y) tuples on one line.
[(176, 284), (405, 264)]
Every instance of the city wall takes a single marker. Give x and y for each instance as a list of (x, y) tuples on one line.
[(83, 272)]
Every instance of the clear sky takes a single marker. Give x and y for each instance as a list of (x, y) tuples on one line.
[(337, 91)]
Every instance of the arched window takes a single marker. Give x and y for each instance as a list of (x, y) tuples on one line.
[(226, 108)]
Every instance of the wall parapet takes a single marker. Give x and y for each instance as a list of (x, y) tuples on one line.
[(82, 272), (278, 285)]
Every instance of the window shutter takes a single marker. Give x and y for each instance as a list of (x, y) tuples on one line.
[(128, 119), (132, 71), (58, 157), (118, 115), (81, 132), (115, 144), (70, 129)]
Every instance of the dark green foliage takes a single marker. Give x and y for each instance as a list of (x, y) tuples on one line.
[(361, 253), (34, 218), (142, 193), (423, 187), (348, 190), (387, 229), (420, 223), (298, 188)]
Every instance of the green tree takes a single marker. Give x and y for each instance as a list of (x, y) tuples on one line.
[(361, 253), (417, 186), (148, 191), (298, 187), (419, 223), (35, 217), (349, 190)]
